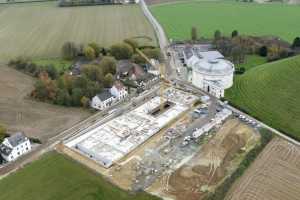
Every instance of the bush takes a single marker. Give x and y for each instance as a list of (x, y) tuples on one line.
[(240, 70), (263, 51), (89, 53)]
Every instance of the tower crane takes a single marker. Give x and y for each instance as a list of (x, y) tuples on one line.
[(164, 81)]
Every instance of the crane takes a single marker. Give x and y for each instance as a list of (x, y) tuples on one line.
[(164, 81)]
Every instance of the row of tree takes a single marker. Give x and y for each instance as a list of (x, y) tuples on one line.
[(217, 35), (71, 90), (64, 89), (236, 47), (124, 50)]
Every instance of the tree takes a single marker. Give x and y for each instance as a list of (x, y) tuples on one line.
[(263, 51), (45, 88), (69, 50), (217, 35), (194, 33), (52, 71), (77, 94), (134, 44), (85, 101), (234, 33), (63, 98), (121, 51), (96, 48), (296, 42), (80, 82), (89, 53), (66, 82), (108, 65), (92, 89), (108, 80), (2, 132), (93, 72), (31, 67)]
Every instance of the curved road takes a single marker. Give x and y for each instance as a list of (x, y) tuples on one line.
[(164, 44)]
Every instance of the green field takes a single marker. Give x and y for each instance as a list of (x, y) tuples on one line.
[(58, 63), (248, 18), (40, 29), (253, 61), (55, 177), (271, 93)]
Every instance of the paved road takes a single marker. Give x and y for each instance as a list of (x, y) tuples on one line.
[(235, 110), (164, 43)]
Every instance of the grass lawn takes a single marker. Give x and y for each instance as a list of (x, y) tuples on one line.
[(59, 64), (55, 177), (248, 18), (271, 93), (38, 30), (253, 61)]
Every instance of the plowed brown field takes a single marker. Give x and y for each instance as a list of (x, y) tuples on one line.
[(275, 175)]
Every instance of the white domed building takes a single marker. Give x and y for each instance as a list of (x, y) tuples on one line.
[(211, 72)]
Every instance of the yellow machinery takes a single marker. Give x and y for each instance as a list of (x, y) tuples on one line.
[(161, 68)]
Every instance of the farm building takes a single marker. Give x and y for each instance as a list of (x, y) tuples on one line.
[(210, 71), (14, 146)]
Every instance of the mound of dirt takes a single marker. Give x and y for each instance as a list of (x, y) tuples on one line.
[(209, 166)]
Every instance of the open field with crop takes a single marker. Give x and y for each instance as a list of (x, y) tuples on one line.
[(57, 177), (271, 93), (39, 30), (226, 16), (274, 175), (36, 119)]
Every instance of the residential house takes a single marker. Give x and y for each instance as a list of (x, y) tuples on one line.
[(118, 90), (105, 99), (14, 146), (102, 100)]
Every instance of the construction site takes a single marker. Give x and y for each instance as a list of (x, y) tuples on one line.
[(113, 140), (177, 145)]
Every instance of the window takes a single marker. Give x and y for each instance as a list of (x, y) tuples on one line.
[(11, 157), (27, 148), (18, 153)]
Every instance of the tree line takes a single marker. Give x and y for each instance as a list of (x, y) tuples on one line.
[(236, 46), (62, 88)]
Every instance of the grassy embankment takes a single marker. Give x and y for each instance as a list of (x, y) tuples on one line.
[(271, 93), (55, 177)]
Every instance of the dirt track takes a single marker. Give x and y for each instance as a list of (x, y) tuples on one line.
[(36, 119), (208, 167), (274, 175)]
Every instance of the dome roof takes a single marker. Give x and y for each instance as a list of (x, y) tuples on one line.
[(214, 67)]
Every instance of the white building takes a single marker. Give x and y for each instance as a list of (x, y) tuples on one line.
[(14, 146), (118, 91), (210, 71), (109, 96)]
